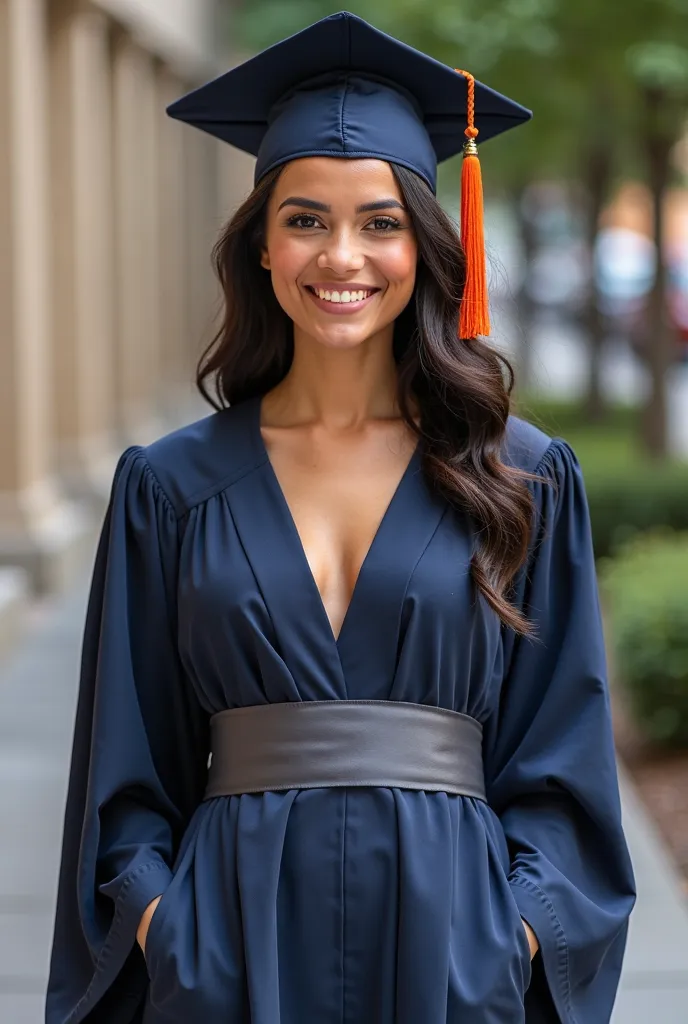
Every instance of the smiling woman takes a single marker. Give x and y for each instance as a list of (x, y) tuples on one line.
[(343, 750)]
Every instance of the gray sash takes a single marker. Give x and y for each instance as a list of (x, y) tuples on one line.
[(324, 743)]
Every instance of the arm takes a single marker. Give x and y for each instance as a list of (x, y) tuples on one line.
[(551, 765), (138, 759)]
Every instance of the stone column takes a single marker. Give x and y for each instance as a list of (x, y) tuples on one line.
[(201, 182), (82, 221), (204, 221), (37, 530), (137, 319), (176, 373), (235, 171)]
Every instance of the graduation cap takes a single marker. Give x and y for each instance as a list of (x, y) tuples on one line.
[(342, 88)]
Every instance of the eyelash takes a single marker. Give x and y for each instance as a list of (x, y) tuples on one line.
[(391, 222)]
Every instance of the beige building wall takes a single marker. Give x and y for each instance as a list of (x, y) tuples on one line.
[(137, 251), (108, 213), (174, 204), (39, 531), (82, 244)]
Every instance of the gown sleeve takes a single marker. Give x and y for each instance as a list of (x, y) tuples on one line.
[(138, 763), (550, 764)]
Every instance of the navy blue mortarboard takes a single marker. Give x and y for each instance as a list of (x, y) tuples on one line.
[(343, 88)]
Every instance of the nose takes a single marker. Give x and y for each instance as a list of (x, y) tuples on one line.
[(341, 254)]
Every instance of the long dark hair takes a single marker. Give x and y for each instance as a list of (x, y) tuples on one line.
[(461, 385)]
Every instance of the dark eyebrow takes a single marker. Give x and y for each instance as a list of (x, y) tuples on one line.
[(381, 204), (311, 204)]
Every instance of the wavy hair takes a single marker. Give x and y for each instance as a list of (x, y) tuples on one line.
[(462, 386)]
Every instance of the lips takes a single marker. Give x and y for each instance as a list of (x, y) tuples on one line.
[(335, 306), (351, 291)]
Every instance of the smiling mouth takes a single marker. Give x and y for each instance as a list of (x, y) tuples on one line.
[(343, 296)]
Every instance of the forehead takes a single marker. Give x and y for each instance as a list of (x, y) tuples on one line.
[(331, 178)]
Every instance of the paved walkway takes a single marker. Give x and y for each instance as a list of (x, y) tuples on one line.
[(37, 699)]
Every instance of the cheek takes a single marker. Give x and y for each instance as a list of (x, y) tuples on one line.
[(398, 262), (289, 257)]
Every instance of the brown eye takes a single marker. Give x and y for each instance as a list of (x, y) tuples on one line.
[(303, 220), (384, 225)]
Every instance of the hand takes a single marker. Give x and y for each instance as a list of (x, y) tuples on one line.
[(142, 930), (532, 939)]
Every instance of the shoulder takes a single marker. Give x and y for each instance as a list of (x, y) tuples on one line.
[(525, 445), (196, 461)]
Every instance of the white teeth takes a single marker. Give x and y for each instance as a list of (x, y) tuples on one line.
[(342, 296)]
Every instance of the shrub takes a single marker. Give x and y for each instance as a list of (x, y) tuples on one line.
[(646, 591), (626, 500), (627, 492)]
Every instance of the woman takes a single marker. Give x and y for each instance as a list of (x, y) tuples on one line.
[(370, 594)]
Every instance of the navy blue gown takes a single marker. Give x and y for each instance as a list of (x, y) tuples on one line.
[(335, 906)]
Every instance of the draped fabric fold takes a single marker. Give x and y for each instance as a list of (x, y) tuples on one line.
[(551, 762), (138, 759)]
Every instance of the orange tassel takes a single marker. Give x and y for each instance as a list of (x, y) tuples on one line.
[(474, 314)]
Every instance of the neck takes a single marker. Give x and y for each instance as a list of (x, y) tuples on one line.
[(338, 388)]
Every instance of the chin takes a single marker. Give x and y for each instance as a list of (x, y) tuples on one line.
[(341, 341), (340, 336)]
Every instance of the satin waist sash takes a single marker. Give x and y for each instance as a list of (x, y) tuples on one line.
[(320, 744)]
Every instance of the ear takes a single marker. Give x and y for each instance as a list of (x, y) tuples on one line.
[(264, 259)]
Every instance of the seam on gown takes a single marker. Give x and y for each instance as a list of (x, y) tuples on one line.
[(343, 930), (562, 944), (104, 954), (204, 494), (546, 456), (408, 584), (228, 509), (149, 469)]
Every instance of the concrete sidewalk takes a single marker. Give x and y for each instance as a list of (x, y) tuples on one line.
[(37, 698), (655, 982)]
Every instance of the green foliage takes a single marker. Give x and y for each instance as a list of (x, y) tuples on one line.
[(660, 64), (629, 499), (646, 587), (627, 493)]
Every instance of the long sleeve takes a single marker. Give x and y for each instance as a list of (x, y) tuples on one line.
[(550, 763), (138, 759)]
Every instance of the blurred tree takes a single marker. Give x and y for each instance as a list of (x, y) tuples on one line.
[(659, 68)]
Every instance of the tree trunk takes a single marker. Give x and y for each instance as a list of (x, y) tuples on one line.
[(597, 178), (658, 333)]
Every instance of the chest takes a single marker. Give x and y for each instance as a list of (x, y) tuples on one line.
[(338, 495)]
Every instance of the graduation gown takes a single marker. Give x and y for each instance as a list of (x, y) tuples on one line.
[(335, 906)]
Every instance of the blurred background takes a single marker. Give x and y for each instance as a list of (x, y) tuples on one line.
[(108, 212)]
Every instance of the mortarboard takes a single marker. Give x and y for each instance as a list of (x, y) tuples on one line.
[(343, 88)]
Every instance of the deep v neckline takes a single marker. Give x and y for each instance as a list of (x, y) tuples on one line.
[(411, 466)]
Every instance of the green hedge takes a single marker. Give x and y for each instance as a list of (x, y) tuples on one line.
[(646, 591), (627, 492)]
